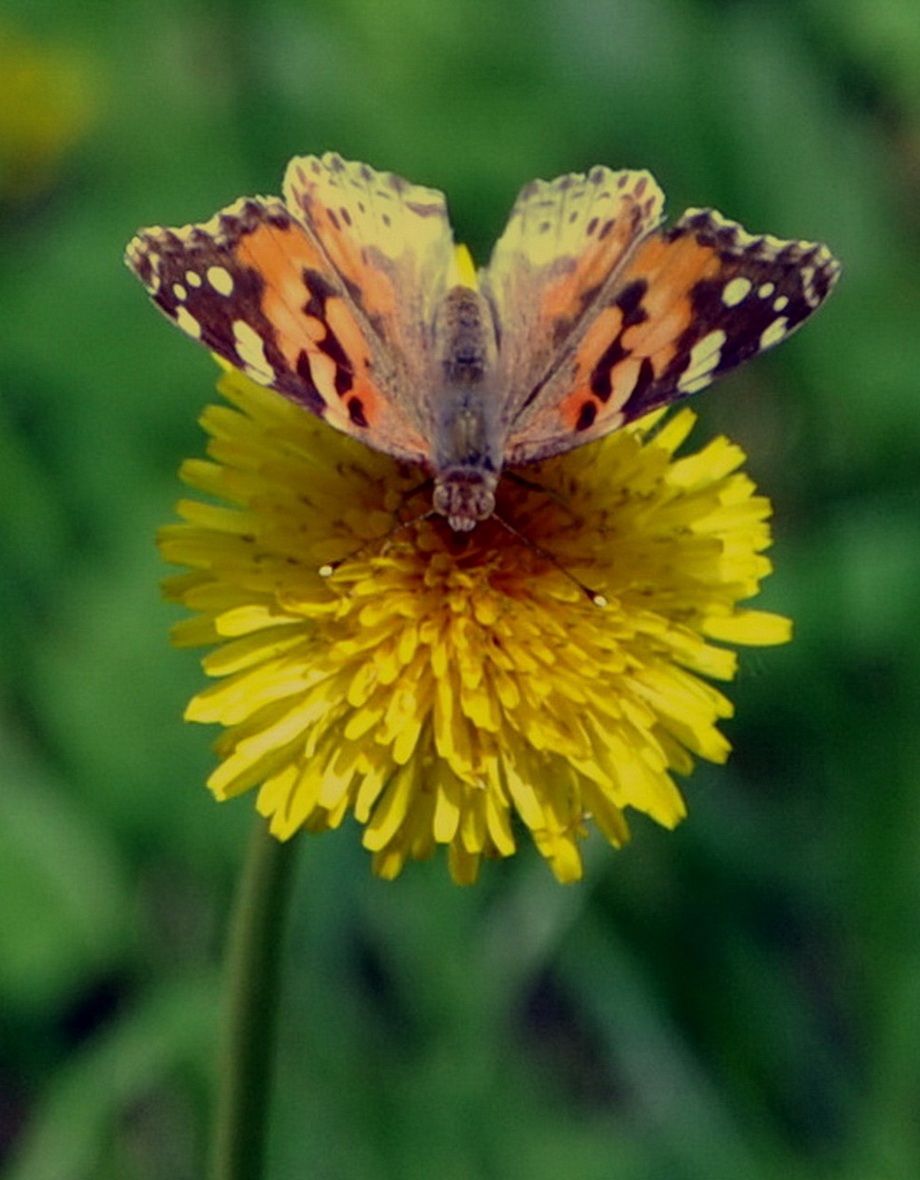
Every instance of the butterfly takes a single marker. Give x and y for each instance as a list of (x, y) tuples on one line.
[(349, 297)]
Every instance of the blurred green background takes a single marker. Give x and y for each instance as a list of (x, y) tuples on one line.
[(738, 999)]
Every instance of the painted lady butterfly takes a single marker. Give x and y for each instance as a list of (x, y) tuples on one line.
[(350, 298)]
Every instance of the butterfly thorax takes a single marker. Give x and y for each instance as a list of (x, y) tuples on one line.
[(467, 439)]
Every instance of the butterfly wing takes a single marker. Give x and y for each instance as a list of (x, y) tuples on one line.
[(301, 294), (676, 309), (563, 241), (392, 244)]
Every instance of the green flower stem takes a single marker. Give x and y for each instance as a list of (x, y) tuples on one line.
[(253, 986)]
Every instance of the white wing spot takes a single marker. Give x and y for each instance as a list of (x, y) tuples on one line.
[(212, 226), (735, 291), (180, 292), (193, 278), (780, 302), (765, 290), (704, 356), (220, 279), (775, 332), (250, 347), (808, 285), (188, 323)]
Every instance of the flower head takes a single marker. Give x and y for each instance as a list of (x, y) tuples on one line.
[(49, 101), (440, 686)]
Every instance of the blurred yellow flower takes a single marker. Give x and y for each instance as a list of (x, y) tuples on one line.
[(440, 686), (47, 104)]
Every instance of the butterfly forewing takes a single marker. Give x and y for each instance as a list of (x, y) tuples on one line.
[(689, 304), (276, 293), (348, 298)]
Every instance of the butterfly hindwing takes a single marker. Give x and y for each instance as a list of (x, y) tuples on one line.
[(349, 297)]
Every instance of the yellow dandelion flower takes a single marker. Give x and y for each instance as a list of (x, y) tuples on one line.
[(49, 102), (452, 688)]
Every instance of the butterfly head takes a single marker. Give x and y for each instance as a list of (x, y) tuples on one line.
[(465, 496)]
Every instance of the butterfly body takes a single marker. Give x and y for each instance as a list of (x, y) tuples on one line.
[(349, 297), (467, 440)]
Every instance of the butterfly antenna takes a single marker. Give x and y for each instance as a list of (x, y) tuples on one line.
[(592, 595), (327, 570)]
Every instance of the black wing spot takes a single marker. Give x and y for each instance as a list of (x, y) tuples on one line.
[(307, 394), (332, 347), (343, 381), (586, 415), (278, 218), (356, 411), (321, 290), (636, 403), (601, 385), (630, 303)]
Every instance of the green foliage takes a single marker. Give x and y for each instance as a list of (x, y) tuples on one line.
[(735, 999)]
